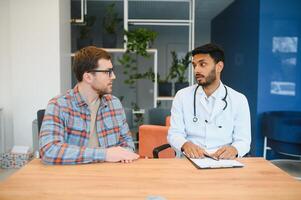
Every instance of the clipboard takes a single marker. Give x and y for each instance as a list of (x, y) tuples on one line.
[(209, 163)]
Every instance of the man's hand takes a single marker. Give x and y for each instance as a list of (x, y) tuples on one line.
[(119, 154), (193, 151), (226, 152)]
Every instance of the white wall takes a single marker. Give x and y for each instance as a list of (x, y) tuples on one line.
[(5, 75), (65, 44), (36, 64)]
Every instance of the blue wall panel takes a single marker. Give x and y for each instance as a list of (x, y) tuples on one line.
[(279, 56), (279, 77), (236, 30), (262, 44)]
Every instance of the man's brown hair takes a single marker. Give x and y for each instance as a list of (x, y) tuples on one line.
[(86, 59)]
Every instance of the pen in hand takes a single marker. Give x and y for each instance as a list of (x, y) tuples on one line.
[(210, 156)]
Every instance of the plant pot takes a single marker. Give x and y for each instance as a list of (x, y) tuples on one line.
[(179, 86), (81, 43), (109, 40), (165, 89)]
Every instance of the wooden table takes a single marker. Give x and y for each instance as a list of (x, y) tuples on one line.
[(168, 178)]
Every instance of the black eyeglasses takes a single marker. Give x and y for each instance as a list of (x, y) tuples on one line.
[(109, 71)]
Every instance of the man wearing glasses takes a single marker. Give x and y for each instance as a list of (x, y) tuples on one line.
[(87, 124)]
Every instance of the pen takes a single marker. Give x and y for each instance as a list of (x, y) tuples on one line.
[(209, 156)]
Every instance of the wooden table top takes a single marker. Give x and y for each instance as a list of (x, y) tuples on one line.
[(168, 178)]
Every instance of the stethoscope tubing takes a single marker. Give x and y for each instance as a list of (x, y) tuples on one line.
[(195, 119)]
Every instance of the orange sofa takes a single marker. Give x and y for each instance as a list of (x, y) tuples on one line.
[(152, 136)]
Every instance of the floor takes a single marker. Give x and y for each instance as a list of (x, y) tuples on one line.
[(5, 173)]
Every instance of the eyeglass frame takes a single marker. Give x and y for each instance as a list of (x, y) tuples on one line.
[(109, 71)]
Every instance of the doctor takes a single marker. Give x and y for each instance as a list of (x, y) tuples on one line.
[(210, 118)]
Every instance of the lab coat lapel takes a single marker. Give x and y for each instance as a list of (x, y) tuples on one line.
[(219, 103), (202, 95), (203, 103), (217, 108)]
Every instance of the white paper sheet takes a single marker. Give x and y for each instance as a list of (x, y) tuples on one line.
[(210, 163)]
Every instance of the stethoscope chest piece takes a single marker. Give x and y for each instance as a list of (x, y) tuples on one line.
[(195, 119)]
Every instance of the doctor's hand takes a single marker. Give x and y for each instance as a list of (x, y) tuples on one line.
[(193, 151), (226, 152)]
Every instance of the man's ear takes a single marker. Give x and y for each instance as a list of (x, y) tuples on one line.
[(87, 77), (220, 66)]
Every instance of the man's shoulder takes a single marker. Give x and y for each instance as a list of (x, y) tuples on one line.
[(109, 98), (186, 91), (62, 99), (235, 94)]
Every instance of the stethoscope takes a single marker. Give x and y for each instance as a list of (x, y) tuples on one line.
[(195, 119)]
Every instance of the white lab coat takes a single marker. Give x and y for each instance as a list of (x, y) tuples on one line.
[(231, 126)]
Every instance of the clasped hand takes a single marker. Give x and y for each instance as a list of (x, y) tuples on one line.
[(194, 151)]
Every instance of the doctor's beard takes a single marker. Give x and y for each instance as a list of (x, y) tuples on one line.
[(209, 79)]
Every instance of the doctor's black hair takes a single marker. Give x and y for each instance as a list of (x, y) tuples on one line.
[(215, 52)]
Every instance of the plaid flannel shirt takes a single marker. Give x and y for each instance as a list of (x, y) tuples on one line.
[(65, 129)]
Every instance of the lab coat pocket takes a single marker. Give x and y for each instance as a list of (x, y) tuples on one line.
[(225, 126), (197, 129)]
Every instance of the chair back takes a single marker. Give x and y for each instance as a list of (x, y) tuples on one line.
[(152, 136), (129, 117), (40, 116), (157, 116), (167, 121), (283, 131)]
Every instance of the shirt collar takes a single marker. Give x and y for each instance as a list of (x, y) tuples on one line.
[(104, 100), (218, 93), (78, 97), (200, 91), (81, 100)]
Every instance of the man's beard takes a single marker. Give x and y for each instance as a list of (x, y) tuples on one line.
[(101, 92), (209, 79)]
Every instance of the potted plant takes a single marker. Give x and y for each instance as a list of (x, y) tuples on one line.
[(85, 38), (137, 43), (110, 23), (178, 70), (139, 40), (130, 69), (165, 86)]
